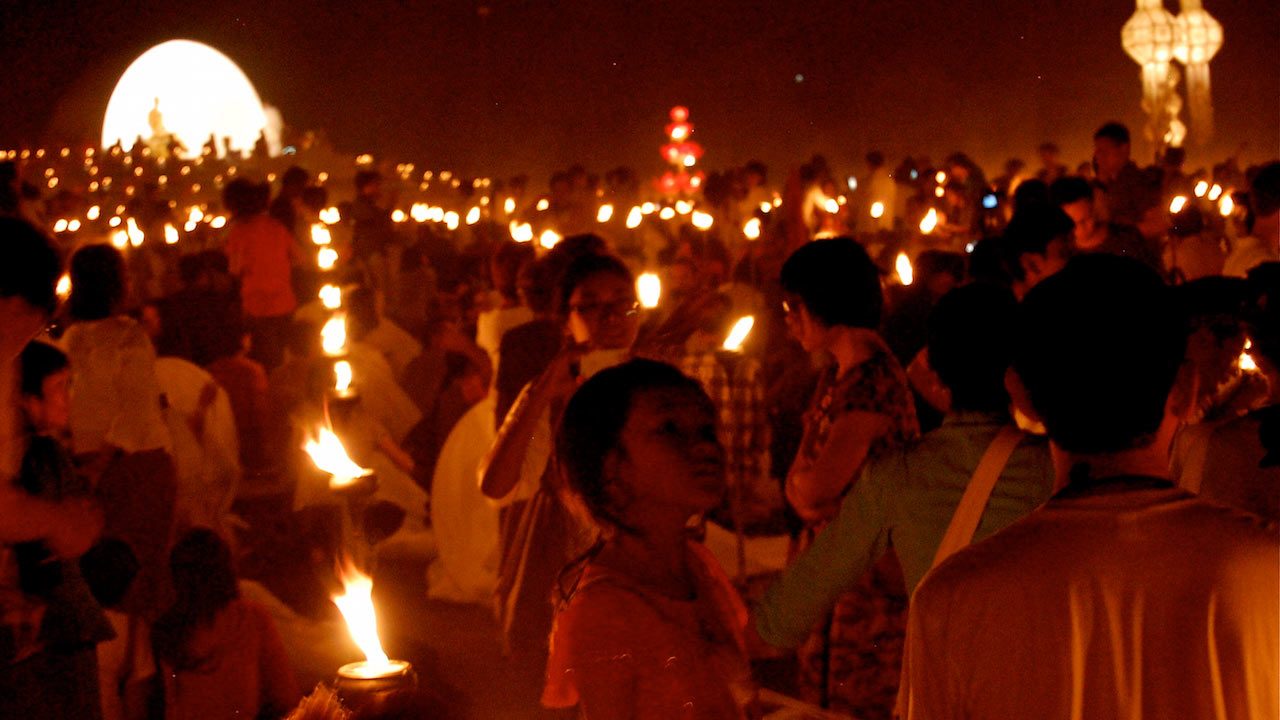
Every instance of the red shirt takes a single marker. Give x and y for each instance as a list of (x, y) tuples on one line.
[(262, 254)]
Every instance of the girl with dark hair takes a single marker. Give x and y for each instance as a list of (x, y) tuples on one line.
[(221, 654), (651, 627), (596, 300), (861, 408)]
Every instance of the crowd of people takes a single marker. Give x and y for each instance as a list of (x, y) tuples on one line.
[(1021, 435)]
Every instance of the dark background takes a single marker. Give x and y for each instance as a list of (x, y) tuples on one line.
[(505, 86)]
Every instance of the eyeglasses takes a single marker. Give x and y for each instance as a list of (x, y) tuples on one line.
[(599, 310)]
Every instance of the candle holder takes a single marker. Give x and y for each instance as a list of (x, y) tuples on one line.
[(366, 689)]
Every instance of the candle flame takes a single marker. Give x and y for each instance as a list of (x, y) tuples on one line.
[(473, 216), (605, 213), (329, 455), (342, 376), (752, 229), (831, 205), (929, 222), (330, 216), (120, 239), (667, 213), (331, 296), (877, 210), (60, 226), (356, 605), (419, 212), (320, 234), (738, 335), (1246, 361), (1215, 192), (195, 215), (218, 222), (765, 207), (684, 207), (327, 258), (648, 208), (702, 221), (509, 205), (451, 220), (398, 216), (333, 336), (649, 290), (634, 217), (1227, 206), (93, 213), (63, 288), (170, 234), (543, 204), (548, 238), (136, 236), (906, 275), (941, 177), (521, 232), (1202, 187), (1177, 204), (73, 226)]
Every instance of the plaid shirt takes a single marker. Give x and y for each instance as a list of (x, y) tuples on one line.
[(735, 386)]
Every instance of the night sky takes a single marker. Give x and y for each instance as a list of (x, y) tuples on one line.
[(534, 85)]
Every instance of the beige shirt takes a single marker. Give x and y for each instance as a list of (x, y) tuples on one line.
[(1132, 600), (115, 397)]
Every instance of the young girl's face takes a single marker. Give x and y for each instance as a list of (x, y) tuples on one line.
[(669, 456)]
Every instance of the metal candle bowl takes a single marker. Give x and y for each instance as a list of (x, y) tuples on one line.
[(361, 689)]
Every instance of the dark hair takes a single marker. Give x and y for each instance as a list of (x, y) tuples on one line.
[(506, 262), (1113, 131), (243, 197), (1069, 189), (1031, 232), (98, 282), (204, 582), (836, 281), (591, 427), (1262, 314), (295, 178), (109, 569), (1030, 196), (31, 265), (970, 335), (39, 360), (584, 268), (364, 178), (1100, 343)]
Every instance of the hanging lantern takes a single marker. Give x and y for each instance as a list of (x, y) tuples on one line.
[(1197, 38), (1148, 38)]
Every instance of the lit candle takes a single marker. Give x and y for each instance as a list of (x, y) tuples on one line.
[(877, 210), (473, 216), (327, 258), (702, 221), (738, 335), (906, 275), (320, 234), (333, 336), (605, 213), (342, 379), (331, 297), (170, 234), (549, 238), (929, 222), (1227, 206), (752, 229), (1176, 205), (649, 290), (1202, 187), (329, 455), (634, 217)]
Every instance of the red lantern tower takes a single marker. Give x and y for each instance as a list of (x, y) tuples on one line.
[(682, 154)]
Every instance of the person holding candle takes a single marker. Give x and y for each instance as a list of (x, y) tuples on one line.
[(597, 300), (649, 626), (862, 407)]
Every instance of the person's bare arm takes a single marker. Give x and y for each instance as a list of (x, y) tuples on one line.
[(501, 466), (814, 489)]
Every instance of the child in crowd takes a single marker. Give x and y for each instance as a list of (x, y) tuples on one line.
[(221, 654), (651, 628)]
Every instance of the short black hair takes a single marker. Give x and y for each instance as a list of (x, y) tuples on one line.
[(98, 282), (1031, 232), (109, 569), (1100, 343), (591, 427), (583, 268), (1264, 190), (1114, 131), (837, 282), (970, 335), (1069, 189), (39, 360), (364, 178), (31, 265), (244, 197)]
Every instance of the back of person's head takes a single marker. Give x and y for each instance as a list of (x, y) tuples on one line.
[(314, 197), (1070, 188), (1030, 196), (836, 281), (39, 360), (31, 265), (1100, 344), (243, 198), (584, 268), (204, 582), (109, 568), (970, 336), (537, 284), (507, 261), (98, 282), (591, 428), (1114, 131), (294, 179), (875, 159), (1031, 232), (366, 178)]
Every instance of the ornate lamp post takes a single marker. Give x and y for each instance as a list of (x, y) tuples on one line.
[(1197, 38)]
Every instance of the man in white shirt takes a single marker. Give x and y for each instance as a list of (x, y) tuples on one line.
[(1123, 596)]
